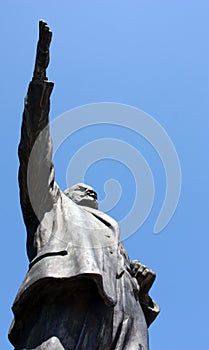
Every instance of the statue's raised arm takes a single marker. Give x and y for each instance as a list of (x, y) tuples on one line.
[(36, 173)]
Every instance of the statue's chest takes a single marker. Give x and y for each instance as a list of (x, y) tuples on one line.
[(77, 226)]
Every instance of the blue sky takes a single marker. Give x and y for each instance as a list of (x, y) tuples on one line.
[(153, 55)]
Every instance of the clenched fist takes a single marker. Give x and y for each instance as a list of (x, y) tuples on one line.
[(144, 276)]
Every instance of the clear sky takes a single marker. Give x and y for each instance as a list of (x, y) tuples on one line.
[(153, 55)]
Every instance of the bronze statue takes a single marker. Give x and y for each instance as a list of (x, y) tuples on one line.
[(81, 290)]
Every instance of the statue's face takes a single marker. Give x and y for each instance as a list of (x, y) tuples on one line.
[(82, 194)]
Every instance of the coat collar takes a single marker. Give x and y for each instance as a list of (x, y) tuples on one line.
[(106, 219)]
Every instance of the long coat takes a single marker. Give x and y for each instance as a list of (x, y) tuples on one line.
[(68, 242)]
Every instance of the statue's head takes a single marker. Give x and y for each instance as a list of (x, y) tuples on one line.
[(82, 194)]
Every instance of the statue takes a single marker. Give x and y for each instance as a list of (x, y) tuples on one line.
[(81, 290)]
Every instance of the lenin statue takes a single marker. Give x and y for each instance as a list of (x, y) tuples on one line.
[(81, 291)]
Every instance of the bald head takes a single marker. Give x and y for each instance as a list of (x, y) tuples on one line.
[(82, 194)]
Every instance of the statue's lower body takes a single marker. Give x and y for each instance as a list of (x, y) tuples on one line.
[(73, 316), (67, 317)]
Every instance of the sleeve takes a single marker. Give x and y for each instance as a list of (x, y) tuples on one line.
[(36, 171), (150, 310)]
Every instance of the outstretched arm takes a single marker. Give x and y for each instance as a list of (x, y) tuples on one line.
[(36, 175)]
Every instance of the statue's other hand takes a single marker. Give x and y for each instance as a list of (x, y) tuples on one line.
[(42, 54), (144, 276)]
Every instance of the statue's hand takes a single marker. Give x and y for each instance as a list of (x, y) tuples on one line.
[(144, 276), (42, 53)]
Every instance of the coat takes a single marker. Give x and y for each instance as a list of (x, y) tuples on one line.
[(65, 240)]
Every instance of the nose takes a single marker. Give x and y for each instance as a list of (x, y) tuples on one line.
[(91, 193)]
